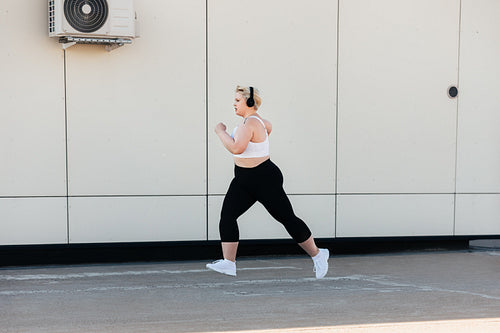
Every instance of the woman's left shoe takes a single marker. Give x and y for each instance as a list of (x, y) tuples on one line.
[(223, 266), (321, 263)]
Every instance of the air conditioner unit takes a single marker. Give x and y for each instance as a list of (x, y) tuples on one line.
[(92, 19)]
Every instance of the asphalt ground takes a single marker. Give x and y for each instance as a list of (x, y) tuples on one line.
[(433, 291)]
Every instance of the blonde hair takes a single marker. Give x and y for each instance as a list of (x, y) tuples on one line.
[(245, 92)]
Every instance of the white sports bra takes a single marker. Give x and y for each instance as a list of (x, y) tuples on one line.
[(255, 149)]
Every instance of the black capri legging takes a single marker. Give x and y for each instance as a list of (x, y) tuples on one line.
[(263, 183)]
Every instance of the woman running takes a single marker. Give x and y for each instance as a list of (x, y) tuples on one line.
[(256, 178)]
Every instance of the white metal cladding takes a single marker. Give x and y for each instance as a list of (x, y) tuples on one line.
[(289, 52), (143, 130), (478, 162), (33, 149), (395, 215), (137, 219), (477, 214), (27, 221), (126, 138), (397, 125), (317, 211)]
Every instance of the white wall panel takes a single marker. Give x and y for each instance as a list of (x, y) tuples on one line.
[(397, 125), (32, 136), (479, 108), (137, 219), (137, 115), (394, 215), (33, 221), (478, 214), (137, 120), (317, 211), (287, 49)]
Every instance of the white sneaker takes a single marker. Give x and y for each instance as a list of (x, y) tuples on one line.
[(223, 266), (321, 263)]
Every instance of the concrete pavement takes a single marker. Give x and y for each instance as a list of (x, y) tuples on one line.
[(437, 291)]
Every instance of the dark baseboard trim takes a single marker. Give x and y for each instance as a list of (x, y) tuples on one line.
[(65, 254)]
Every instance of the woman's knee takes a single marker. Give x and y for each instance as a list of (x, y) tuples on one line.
[(297, 229), (228, 230)]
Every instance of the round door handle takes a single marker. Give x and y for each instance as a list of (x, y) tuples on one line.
[(452, 92)]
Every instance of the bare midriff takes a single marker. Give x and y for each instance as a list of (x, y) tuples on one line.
[(250, 162)]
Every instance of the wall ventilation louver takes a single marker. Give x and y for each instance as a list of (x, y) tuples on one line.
[(51, 16)]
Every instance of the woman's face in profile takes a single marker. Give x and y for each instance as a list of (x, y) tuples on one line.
[(240, 105)]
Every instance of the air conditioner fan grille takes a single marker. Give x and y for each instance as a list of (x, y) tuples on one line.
[(86, 15)]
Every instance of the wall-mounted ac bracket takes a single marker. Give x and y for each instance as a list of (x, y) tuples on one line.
[(110, 43), (66, 45)]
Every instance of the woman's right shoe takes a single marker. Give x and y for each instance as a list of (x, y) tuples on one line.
[(223, 266)]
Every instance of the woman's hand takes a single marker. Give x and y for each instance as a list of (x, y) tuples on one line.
[(239, 143), (220, 128)]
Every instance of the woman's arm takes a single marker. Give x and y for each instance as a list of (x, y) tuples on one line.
[(239, 143)]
